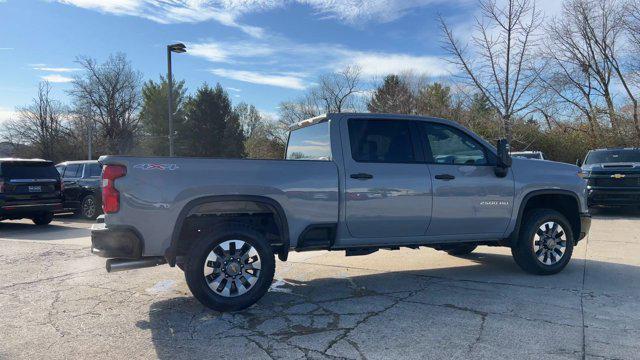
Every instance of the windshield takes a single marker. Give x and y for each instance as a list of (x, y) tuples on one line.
[(613, 156), (310, 143)]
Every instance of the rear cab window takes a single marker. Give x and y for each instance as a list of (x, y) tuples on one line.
[(310, 143)]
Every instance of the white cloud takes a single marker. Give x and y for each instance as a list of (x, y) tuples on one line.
[(279, 57), (6, 114), (224, 52), (360, 11), (380, 64), (56, 78), (227, 12), (170, 11), (233, 89), (285, 80), (55, 69)]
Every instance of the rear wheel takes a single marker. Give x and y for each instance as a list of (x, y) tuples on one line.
[(43, 219), (545, 244), (89, 207), (230, 269)]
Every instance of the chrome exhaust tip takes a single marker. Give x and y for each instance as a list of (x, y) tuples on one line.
[(114, 265)]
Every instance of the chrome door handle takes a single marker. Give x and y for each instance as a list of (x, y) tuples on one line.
[(361, 176), (446, 177)]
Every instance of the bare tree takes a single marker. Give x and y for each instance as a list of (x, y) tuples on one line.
[(582, 48), (335, 92), (42, 126), (630, 79), (111, 91), (501, 63)]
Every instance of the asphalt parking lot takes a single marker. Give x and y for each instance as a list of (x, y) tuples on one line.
[(58, 302)]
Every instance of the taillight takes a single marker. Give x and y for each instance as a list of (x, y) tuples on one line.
[(110, 195)]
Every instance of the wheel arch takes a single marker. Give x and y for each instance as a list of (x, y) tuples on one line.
[(565, 202), (217, 201)]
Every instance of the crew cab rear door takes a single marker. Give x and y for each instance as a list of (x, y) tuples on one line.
[(468, 197), (388, 186)]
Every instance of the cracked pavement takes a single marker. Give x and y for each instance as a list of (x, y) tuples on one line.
[(58, 302)]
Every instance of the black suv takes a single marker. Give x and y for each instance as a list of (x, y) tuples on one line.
[(29, 188), (82, 187), (613, 176)]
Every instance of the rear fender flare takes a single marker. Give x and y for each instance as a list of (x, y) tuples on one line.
[(281, 219)]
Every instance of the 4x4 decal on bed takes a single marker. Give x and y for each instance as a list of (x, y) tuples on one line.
[(162, 167)]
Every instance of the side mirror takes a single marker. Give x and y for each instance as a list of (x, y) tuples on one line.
[(579, 163), (504, 158)]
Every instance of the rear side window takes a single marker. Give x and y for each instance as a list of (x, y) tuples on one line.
[(73, 171), (381, 141), (453, 147), (310, 143), (29, 171), (93, 170)]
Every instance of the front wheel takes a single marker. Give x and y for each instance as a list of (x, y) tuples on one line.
[(43, 219), (230, 268), (545, 244)]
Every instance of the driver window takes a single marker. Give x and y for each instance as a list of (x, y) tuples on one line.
[(450, 146)]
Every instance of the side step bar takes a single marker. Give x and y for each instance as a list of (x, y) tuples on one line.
[(128, 264)]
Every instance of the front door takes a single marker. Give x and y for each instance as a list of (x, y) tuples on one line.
[(388, 187), (468, 197)]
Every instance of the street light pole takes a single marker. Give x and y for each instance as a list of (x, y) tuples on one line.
[(170, 100), (177, 48)]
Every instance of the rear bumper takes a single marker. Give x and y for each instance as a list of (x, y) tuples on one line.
[(610, 196), (120, 242), (585, 225), (10, 210)]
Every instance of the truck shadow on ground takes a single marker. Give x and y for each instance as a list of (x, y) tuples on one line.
[(439, 312)]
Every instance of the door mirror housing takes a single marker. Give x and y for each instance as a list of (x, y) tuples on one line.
[(579, 162), (504, 158)]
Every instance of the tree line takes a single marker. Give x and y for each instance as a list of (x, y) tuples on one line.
[(562, 85)]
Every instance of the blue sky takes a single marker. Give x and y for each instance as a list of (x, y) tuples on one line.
[(262, 51)]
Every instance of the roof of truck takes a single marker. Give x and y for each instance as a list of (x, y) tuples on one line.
[(323, 117)]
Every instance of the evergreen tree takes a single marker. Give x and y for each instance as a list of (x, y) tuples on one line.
[(435, 100), (212, 128), (154, 116), (393, 96)]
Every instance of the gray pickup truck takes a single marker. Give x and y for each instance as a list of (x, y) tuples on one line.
[(352, 182)]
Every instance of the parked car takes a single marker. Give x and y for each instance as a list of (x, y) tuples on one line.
[(29, 188), (538, 155), (359, 183), (613, 176), (82, 187)]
